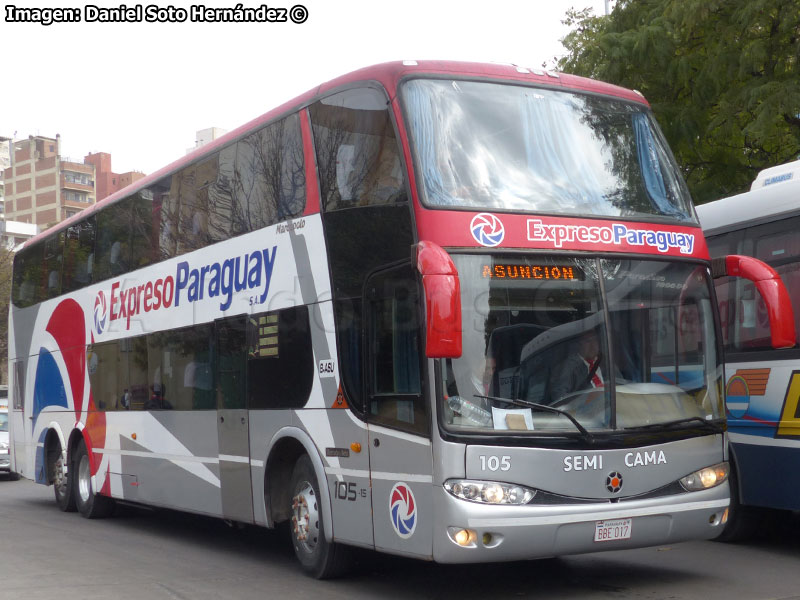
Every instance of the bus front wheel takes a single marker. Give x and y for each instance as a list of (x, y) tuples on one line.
[(318, 557), (62, 484), (90, 504)]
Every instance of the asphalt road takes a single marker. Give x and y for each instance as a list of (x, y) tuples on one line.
[(163, 555)]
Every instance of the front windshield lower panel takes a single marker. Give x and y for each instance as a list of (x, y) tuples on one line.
[(618, 346), (491, 146)]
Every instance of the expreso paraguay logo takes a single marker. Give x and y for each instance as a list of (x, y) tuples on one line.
[(403, 510), (216, 280), (100, 312), (487, 230)]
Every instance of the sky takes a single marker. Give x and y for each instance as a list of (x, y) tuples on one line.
[(141, 90)]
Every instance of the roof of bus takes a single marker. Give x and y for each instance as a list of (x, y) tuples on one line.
[(389, 74), (756, 206)]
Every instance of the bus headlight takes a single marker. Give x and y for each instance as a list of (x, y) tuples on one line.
[(489, 492), (705, 478)]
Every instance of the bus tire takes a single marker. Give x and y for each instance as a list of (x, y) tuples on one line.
[(90, 504), (318, 557), (743, 520), (62, 483)]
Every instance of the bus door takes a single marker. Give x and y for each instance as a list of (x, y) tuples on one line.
[(399, 420), (232, 419)]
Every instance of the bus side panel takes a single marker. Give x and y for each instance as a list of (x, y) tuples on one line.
[(768, 475), (762, 401), (20, 341), (402, 488), (338, 434), (165, 458), (16, 418)]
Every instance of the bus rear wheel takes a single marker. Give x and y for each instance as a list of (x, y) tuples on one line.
[(318, 557), (90, 504), (62, 484)]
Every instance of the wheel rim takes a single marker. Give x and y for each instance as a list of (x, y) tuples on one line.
[(305, 518), (84, 479), (60, 477)]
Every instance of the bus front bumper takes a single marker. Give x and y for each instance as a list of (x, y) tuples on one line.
[(508, 533)]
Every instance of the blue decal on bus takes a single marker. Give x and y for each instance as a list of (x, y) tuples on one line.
[(49, 387), (234, 274)]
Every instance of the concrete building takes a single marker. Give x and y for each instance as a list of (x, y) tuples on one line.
[(206, 136), (42, 187), (106, 181), (5, 162)]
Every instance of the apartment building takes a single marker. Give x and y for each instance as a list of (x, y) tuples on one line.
[(5, 162), (42, 187), (106, 181)]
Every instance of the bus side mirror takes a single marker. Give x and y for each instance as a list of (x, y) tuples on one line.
[(442, 301), (770, 286)]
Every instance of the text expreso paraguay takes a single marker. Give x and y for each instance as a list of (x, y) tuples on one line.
[(617, 233), (251, 271)]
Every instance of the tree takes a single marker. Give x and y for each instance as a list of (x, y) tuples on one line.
[(722, 77), (6, 262)]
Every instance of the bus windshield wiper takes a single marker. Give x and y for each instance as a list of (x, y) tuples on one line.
[(710, 425), (543, 407)]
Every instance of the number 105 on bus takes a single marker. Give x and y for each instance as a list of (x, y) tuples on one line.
[(617, 529)]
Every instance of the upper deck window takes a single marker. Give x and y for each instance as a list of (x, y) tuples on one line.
[(357, 153), (492, 146)]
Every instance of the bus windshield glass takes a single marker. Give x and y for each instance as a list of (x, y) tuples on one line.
[(616, 344), (494, 146)]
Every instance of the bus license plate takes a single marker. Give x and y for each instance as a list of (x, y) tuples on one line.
[(617, 529)]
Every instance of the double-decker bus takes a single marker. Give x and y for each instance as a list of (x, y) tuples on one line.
[(763, 385), (369, 314)]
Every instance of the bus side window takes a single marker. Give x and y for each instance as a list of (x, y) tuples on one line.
[(192, 221), (79, 253), (179, 369), (363, 195), (395, 372), (113, 249), (777, 244), (270, 181), (231, 362), (357, 153), (214, 183), (54, 263), (280, 359), (726, 287), (742, 311), (107, 364)]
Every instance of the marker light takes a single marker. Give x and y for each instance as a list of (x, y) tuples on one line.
[(705, 478), (489, 492)]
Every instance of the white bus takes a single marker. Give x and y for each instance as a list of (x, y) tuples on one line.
[(355, 312), (763, 384)]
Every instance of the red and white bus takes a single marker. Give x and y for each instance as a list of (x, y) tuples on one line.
[(365, 312)]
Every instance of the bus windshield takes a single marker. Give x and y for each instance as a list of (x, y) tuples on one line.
[(617, 344), (497, 146)]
